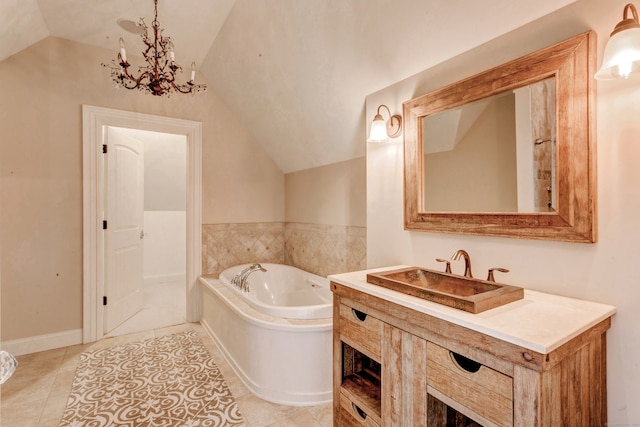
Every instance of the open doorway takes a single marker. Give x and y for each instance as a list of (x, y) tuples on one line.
[(97, 123), (156, 298)]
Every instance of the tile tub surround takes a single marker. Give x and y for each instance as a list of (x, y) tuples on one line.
[(316, 248), (226, 245), (325, 249)]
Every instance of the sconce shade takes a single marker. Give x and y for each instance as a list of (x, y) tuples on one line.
[(381, 131), (622, 52), (378, 132)]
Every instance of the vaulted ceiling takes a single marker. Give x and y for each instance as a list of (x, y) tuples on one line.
[(296, 72)]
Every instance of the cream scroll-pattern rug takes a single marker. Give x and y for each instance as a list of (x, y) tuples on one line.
[(164, 381)]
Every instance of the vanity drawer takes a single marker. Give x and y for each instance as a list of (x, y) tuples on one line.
[(475, 390), (353, 415), (361, 331)]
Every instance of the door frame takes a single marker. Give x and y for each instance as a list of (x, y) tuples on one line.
[(94, 122)]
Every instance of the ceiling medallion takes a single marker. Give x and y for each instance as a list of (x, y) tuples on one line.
[(158, 76)]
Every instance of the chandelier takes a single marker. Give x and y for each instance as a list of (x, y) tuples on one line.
[(158, 76)]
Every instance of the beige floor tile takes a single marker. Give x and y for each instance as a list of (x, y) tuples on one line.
[(63, 382), (302, 417), (21, 414), (28, 398), (172, 329), (53, 409), (164, 305), (323, 414), (126, 339), (236, 386), (43, 357), (260, 413), (37, 393), (26, 388), (49, 423)]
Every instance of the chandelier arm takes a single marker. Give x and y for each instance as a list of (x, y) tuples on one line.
[(158, 76), (135, 81), (185, 88)]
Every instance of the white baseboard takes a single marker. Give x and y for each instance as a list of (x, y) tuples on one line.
[(42, 342), (165, 278)]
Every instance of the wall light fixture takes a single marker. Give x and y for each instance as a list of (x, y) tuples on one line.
[(622, 52), (381, 130)]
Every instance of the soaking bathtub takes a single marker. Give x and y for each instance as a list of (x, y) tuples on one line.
[(278, 336)]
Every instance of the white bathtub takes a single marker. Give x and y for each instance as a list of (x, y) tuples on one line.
[(278, 354), (285, 291)]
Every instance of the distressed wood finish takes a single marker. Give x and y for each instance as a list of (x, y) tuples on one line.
[(356, 388), (515, 386), (350, 417), (485, 393), (572, 63), (404, 379), (573, 391), (362, 334)]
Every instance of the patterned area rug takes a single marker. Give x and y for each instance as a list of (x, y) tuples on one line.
[(165, 381)]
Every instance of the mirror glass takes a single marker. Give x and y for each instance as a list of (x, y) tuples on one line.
[(496, 154), (509, 152)]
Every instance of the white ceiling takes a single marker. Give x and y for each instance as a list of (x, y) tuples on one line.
[(296, 72)]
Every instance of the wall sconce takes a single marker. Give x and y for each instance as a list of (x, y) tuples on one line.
[(622, 52), (381, 130)]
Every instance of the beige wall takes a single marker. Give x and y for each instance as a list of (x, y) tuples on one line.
[(43, 89), (332, 195), (605, 271)]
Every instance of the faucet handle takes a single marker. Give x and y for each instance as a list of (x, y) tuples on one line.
[(448, 267), (490, 277)]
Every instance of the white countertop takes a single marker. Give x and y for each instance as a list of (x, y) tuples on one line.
[(540, 322)]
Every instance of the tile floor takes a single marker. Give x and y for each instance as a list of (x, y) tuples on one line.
[(36, 394), (164, 305)]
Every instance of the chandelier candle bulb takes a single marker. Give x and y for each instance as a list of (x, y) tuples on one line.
[(158, 76), (123, 52)]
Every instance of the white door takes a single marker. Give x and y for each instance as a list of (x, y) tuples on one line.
[(124, 206)]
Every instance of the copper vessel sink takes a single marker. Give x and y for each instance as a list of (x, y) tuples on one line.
[(464, 293)]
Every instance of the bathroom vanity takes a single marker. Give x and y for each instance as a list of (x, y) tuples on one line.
[(400, 360)]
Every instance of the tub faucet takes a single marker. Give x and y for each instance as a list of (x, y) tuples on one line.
[(467, 261), (237, 279), (244, 284)]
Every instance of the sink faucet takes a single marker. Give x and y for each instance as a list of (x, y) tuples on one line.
[(447, 269), (467, 261), (490, 277)]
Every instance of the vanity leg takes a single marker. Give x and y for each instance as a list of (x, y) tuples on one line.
[(526, 397)]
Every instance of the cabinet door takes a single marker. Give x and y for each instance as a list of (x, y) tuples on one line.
[(404, 378)]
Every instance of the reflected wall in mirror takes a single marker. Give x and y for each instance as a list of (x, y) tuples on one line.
[(509, 152), (493, 155)]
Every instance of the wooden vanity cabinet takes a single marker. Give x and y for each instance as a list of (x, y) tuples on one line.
[(394, 366)]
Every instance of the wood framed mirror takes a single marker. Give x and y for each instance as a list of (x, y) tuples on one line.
[(558, 187)]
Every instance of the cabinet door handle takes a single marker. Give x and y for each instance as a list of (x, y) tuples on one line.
[(360, 412), (465, 363), (361, 316)]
